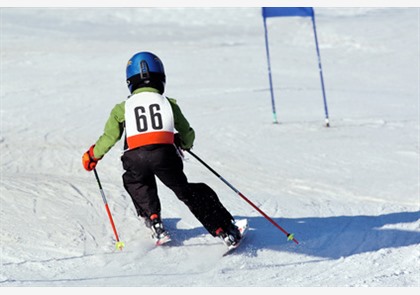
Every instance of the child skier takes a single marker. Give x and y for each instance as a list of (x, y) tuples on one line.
[(155, 129)]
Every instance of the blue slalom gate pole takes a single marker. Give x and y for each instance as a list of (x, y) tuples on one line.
[(273, 105), (290, 12), (327, 122)]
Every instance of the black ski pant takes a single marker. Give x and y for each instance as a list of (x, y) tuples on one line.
[(144, 164)]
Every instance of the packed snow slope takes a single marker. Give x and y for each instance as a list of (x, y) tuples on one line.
[(349, 193)]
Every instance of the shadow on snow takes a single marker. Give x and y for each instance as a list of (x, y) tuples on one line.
[(324, 237)]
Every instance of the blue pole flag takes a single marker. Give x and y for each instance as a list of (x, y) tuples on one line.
[(290, 12), (287, 11)]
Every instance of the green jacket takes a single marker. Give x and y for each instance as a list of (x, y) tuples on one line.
[(114, 127)]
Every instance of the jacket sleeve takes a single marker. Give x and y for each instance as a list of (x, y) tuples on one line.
[(186, 132), (113, 131)]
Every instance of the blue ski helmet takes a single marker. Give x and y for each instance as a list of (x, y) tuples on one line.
[(145, 69)]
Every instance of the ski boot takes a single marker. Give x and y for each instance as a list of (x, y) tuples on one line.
[(230, 236), (159, 234)]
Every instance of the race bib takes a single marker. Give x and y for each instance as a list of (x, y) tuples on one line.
[(148, 120)]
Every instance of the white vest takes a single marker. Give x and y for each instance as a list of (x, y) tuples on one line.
[(148, 120)]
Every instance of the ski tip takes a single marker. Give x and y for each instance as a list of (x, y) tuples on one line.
[(241, 223)]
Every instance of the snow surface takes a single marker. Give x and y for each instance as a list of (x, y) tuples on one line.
[(349, 193)]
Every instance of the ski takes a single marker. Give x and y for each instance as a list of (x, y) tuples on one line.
[(163, 240)]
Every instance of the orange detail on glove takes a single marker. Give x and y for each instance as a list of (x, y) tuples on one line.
[(88, 159)]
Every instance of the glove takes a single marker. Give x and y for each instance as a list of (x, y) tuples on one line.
[(178, 143), (88, 159)]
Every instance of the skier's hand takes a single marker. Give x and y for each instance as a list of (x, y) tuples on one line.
[(178, 143), (88, 159)]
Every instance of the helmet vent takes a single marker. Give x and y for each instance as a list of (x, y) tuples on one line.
[(144, 70)]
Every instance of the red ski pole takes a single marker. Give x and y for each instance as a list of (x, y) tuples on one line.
[(290, 236), (119, 245)]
